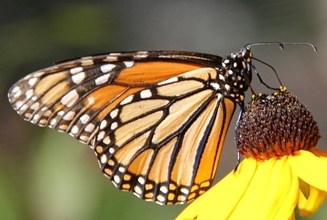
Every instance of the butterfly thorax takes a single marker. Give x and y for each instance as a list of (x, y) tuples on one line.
[(237, 74)]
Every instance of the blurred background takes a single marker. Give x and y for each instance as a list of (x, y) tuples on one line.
[(48, 175)]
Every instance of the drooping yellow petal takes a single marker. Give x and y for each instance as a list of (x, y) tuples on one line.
[(272, 193), (284, 189), (292, 217), (319, 153), (309, 167), (221, 199), (308, 206)]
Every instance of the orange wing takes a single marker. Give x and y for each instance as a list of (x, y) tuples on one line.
[(156, 122)]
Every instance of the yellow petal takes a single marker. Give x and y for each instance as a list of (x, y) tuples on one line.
[(319, 153), (221, 199), (310, 168), (308, 206), (272, 193)]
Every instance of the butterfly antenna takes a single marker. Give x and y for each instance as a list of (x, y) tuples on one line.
[(309, 44), (259, 77), (280, 44)]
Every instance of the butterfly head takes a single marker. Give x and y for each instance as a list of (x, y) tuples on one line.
[(237, 73)]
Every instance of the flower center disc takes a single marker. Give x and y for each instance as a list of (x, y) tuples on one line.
[(276, 125)]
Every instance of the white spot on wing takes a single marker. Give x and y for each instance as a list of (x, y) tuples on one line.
[(84, 119), (15, 89), (117, 179), (23, 108), (84, 138), (76, 70), (127, 100), (164, 189), (113, 126), (78, 78), (101, 135), (141, 180), (29, 93), (103, 124), (107, 141), (70, 98), (137, 190), (102, 79), (103, 158), (107, 67), (53, 121), (215, 85), (36, 116), (129, 63), (114, 113), (90, 100), (141, 54), (89, 127), (74, 130), (18, 104), (35, 106), (121, 169), (161, 198), (69, 116), (146, 94), (32, 81), (37, 74), (170, 80), (185, 190), (61, 113), (111, 150), (17, 93)]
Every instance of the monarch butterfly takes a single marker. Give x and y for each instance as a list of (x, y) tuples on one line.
[(156, 120)]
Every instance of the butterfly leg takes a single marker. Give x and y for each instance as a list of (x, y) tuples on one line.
[(236, 136)]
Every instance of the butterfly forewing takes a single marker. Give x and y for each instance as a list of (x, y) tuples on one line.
[(156, 120), (58, 95)]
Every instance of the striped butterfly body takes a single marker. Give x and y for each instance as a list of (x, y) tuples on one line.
[(156, 120)]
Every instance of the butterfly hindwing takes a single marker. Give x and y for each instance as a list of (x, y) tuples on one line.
[(152, 143)]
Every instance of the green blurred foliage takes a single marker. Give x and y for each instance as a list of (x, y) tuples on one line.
[(48, 175)]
